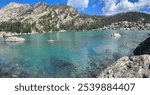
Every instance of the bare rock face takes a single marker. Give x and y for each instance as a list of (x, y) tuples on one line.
[(12, 10), (41, 17), (40, 8), (129, 67)]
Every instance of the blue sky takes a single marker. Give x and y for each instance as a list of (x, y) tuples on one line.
[(94, 7)]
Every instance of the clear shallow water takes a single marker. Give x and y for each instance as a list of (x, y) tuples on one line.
[(75, 54)]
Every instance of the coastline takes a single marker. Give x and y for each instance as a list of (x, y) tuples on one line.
[(8, 34)]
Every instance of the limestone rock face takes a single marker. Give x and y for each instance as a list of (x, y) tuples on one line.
[(129, 67)]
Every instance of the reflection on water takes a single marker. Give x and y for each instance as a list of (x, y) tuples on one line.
[(74, 54)]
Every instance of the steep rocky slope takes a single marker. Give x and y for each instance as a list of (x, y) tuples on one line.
[(41, 17), (45, 18), (12, 11)]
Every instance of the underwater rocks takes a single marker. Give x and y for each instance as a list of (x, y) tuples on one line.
[(131, 45), (56, 62), (57, 68), (128, 67), (143, 48), (7, 71), (11, 69), (19, 72), (15, 39)]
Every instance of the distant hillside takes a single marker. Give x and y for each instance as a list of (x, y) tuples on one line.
[(129, 16), (44, 18)]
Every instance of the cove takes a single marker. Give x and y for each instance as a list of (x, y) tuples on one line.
[(74, 54)]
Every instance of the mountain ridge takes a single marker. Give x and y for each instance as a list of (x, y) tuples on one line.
[(42, 17)]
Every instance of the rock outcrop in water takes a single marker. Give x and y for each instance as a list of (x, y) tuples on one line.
[(15, 39), (116, 35), (143, 48), (52, 41), (129, 67)]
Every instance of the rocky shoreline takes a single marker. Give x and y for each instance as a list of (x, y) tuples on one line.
[(137, 66), (129, 67), (126, 25), (9, 34)]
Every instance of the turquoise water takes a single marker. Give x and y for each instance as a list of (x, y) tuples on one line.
[(74, 54)]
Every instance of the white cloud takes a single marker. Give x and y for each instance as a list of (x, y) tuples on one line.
[(116, 6), (80, 4)]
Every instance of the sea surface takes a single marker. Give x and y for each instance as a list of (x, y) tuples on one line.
[(73, 54)]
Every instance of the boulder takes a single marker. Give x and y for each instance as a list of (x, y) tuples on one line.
[(143, 48), (15, 39), (51, 41), (128, 67), (115, 35)]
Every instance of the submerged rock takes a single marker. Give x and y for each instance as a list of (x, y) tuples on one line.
[(56, 62), (143, 48), (129, 67), (19, 72), (5, 71), (15, 39), (115, 35), (58, 68)]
